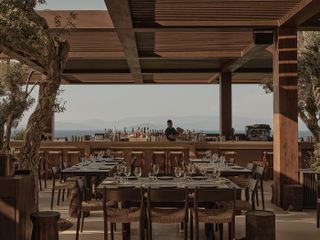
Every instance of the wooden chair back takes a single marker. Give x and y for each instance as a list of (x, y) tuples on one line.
[(253, 187), (215, 195), (167, 195), (82, 189)]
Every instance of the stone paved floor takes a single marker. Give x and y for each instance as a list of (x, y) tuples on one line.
[(289, 225)]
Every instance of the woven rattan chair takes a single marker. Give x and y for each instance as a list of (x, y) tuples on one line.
[(125, 214), (177, 213), (259, 175), (219, 215), (243, 181), (249, 203), (59, 184), (85, 205)]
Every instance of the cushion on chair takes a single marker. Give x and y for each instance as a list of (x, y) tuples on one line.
[(167, 215), (123, 215), (214, 216), (64, 185), (92, 205)]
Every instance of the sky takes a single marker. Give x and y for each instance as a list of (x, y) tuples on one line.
[(112, 102)]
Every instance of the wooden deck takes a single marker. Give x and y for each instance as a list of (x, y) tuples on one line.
[(289, 225)]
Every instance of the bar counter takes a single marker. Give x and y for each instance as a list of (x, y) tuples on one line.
[(246, 150)]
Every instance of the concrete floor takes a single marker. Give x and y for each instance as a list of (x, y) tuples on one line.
[(289, 225)]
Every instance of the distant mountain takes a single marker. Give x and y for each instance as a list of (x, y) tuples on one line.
[(185, 122)]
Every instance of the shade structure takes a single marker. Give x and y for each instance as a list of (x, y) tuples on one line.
[(196, 42), (178, 42)]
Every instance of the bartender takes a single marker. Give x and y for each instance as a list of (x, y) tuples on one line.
[(171, 133)]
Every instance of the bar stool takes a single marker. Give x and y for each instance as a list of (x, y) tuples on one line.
[(160, 157), (229, 155), (203, 154), (117, 154), (175, 159), (59, 184), (54, 158), (268, 163), (45, 225), (137, 160), (73, 157)]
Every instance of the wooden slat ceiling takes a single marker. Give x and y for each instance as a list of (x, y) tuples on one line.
[(178, 41), (209, 12)]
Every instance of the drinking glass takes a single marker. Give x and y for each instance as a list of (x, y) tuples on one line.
[(155, 169), (127, 172), (177, 172), (138, 172), (203, 172)]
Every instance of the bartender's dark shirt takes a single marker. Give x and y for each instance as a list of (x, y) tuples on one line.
[(170, 131)]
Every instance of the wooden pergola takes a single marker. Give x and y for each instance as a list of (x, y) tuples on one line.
[(198, 42)]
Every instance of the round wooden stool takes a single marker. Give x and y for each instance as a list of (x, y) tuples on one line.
[(45, 225), (260, 225)]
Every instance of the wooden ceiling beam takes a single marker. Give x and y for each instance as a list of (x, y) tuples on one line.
[(195, 71), (261, 42), (120, 14), (305, 10)]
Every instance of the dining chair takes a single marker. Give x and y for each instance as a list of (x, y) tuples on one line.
[(59, 184), (249, 203), (259, 175), (318, 198), (42, 173), (85, 205), (217, 212), (177, 212), (230, 155), (126, 214)]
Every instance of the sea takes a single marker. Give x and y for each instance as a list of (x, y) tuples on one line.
[(70, 133)]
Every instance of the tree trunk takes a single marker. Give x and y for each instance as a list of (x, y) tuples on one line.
[(6, 146), (36, 124)]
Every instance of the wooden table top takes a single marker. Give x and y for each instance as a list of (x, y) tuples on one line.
[(233, 170), (101, 166), (169, 182)]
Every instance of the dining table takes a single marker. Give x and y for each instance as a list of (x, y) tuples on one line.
[(99, 167), (190, 182), (227, 170)]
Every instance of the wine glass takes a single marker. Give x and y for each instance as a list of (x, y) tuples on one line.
[(203, 171), (155, 169), (138, 172), (177, 172), (127, 173)]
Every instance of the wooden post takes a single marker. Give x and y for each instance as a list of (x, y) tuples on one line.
[(226, 105), (285, 117)]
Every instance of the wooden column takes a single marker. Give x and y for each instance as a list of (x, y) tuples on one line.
[(285, 117), (226, 105)]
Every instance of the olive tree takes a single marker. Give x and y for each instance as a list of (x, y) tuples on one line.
[(26, 35)]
